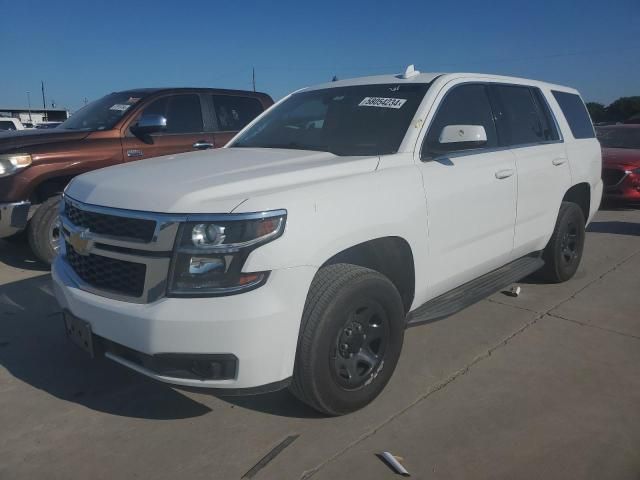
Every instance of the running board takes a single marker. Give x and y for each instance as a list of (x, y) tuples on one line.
[(466, 295)]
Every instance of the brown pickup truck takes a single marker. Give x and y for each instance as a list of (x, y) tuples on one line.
[(36, 165)]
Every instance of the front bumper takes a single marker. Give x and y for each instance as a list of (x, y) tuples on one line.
[(627, 189), (13, 217), (260, 328)]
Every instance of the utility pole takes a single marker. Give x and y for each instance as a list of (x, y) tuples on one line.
[(253, 74), (29, 103), (44, 104)]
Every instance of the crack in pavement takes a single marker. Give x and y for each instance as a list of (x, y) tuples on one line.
[(430, 391), (466, 368), (597, 327)]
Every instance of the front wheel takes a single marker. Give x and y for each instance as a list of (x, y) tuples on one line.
[(44, 230), (350, 340), (563, 253)]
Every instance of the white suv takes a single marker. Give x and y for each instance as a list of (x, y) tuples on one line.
[(299, 254)]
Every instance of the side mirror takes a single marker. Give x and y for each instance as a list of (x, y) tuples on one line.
[(148, 124), (463, 136)]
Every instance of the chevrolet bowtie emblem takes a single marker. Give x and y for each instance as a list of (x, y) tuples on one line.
[(81, 242)]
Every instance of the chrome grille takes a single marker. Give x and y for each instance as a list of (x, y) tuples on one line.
[(112, 225), (115, 253), (110, 274)]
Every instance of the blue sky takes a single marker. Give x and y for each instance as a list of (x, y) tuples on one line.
[(92, 47)]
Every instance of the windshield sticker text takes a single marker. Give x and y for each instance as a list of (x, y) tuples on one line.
[(382, 102), (121, 107)]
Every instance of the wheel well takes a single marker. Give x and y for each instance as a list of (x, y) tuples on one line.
[(391, 256), (49, 188), (580, 194)]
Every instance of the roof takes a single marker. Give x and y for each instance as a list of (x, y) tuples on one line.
[(430, 77), (377, 79)]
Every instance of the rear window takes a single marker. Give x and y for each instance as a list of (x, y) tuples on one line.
[(576, 114)]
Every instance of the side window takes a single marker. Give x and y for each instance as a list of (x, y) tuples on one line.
[(234, 112), (463, 105), (183, 113), (6, 125), (548, 122), (519, 118), (576, 114)]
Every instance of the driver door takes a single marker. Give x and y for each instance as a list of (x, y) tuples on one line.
[(470, 193), (185, 130)]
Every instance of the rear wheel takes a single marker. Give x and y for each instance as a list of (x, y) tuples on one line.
[(563, 253), (44, 230), (351, 338)]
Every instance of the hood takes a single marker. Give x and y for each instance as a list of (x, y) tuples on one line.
[(214, 181), (621, 156), (23, 139)]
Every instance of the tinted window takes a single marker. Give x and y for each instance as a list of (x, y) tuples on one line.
[(549, 127), (5, 125), (182, 112), (518, 116), (353, 120), (576, 114), (464, 105), (104, 113), (233, 113)]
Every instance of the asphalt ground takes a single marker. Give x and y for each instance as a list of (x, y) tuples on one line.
[(544, 385)]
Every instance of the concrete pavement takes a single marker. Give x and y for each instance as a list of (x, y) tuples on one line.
[(545, 385)]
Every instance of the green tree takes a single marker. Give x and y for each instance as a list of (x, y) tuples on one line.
[(597, 111), (623, 108)]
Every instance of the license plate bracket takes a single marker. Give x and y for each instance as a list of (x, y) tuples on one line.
[(79, 332)]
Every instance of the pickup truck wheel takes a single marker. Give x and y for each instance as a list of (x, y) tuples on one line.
[(350, 341), (44, 230), (563, 253)]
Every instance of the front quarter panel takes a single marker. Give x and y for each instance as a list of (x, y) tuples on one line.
[(326, 218)]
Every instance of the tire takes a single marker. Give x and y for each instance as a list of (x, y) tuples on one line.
[(350, 339), (43, 230), (563, 253)]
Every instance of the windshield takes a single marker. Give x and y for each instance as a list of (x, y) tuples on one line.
[(355, 120), (104, 113), (619, 137)]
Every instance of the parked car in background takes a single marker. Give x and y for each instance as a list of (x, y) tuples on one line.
[(621, 161), (45, 125), (298, 254), (10, 124), (36, 165)]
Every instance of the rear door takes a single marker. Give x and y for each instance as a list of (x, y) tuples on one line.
[(185, 130), (232, 113), (526, 124), (470, 193)]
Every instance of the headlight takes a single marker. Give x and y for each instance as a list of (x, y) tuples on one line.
[(209, 256), (10, 163)]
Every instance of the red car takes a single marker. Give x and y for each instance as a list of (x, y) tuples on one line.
[(620, 161)]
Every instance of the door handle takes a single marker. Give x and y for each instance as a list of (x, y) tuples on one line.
[(502, 174), (559, 161), (202, 145)]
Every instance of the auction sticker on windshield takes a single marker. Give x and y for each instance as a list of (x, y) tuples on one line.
[(382, 102), (119, 107)]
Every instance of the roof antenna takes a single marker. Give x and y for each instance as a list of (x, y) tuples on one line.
[(410, 72)]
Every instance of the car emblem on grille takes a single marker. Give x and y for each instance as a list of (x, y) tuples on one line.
[(81, 242)]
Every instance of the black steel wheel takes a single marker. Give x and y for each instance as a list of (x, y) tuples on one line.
[(361, 345)]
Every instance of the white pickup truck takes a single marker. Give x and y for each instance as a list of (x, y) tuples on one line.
[(299, 254)]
